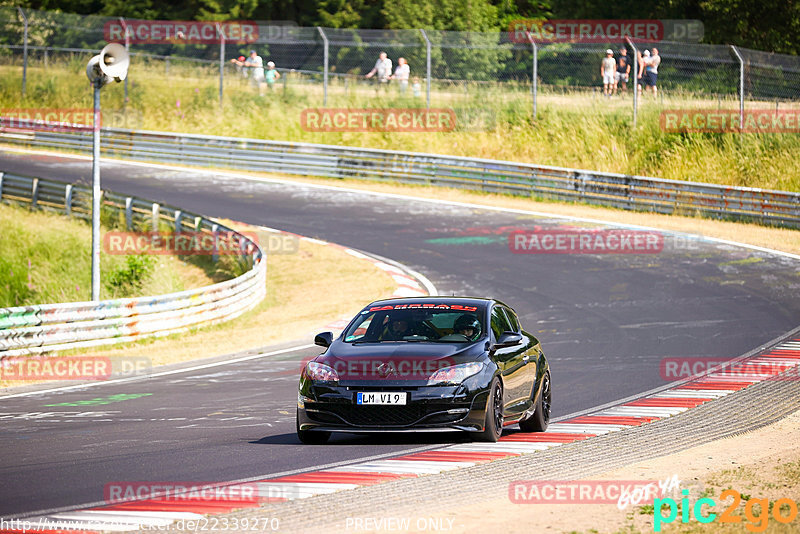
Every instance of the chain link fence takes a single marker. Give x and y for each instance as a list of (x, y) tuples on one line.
[(447, 69)]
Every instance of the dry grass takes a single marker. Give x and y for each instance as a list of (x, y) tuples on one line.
[(45, 257)]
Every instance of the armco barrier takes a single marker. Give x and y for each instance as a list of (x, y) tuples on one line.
[(48, 327), (605, 189)]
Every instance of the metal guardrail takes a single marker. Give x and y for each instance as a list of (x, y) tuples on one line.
[(35, 329), (604, 189)]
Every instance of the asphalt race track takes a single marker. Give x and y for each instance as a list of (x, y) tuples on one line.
[(606, 321)]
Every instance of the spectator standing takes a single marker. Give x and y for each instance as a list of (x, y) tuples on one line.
[(256, 66), (239, 62), (607, 68), (383, 69), (644, 61), (271, 75), (623, 71), (401, 74), (651, 71)]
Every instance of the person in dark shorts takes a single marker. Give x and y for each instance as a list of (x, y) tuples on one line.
[(623, 71), (651, 71)]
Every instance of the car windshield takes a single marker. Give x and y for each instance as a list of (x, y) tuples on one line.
[(462, 325)]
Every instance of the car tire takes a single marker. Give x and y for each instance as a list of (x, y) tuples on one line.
[(311, 437), (541, 417), (493, 423)]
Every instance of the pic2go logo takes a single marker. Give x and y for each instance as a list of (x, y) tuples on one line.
[(756, 522)]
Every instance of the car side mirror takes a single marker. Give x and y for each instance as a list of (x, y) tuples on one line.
[(508, 339), (323, 339)]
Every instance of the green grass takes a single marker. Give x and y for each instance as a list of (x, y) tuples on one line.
[(573, 129), (46, 257)]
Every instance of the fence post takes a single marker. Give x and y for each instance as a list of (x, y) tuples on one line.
[(1, 185), (156, 216), (534, 81), (427, 67), (325, 67), (635, 78), (46, 63), (221, 60), (24, 50), (128, 213), (741, 86), (68, 200), (127, 49), (178, 217)]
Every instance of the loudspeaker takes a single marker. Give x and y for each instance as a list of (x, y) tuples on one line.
[(111, 64)]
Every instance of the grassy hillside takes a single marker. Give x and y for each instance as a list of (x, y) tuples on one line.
[(573, 130), (45, 257)]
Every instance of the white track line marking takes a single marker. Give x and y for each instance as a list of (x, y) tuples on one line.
[(162, 373)]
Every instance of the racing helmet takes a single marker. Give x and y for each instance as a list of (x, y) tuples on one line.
[(468, 321)]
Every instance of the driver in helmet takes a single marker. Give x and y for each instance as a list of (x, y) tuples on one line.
[(468, 326)]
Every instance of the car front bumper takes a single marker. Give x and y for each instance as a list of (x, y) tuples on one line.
[(428, 408)]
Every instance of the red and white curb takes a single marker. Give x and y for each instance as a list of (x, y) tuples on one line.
[(161, 512)]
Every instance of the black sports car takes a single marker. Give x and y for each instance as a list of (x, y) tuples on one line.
[(426, 364)]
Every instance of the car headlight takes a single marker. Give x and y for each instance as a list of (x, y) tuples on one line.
[(319, 372), (454, 374)]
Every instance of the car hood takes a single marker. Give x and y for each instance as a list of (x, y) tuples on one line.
[(395, 361)]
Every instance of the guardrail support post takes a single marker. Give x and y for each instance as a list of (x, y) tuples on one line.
[(156, 216), (215, 230), (427, 68), (24, 50), (741, 87), (129, 213), (1, 185), (325, 67), (68, 200), (178, 217), (34, 193), (636, 67)]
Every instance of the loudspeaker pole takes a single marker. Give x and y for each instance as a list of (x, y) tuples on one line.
[(96, 192), (110, 65)]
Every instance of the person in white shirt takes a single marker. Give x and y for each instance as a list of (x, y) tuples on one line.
[(383, 69), (401, 74), (651, 71), (607, 69), (256, 65)]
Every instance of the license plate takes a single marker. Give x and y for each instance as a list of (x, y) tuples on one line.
[(381, 397)]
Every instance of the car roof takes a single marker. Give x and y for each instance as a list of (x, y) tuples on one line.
[(441, 299)]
